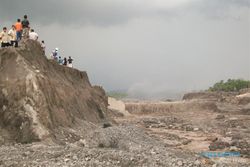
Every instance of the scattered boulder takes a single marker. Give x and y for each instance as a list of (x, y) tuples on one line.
[(212, 138), (189, 128), (220, 116), (82, 143), (186, 141), (234, 148), (106, 125), (179, 163), (196, 129)]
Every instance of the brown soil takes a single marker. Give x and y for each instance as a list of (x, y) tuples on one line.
[(195, 125), (38, 96)]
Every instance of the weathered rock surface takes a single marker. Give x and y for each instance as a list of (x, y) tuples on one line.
[(38, 96)]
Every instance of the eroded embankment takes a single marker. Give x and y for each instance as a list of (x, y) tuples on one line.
[(38, 96), (163, 107)]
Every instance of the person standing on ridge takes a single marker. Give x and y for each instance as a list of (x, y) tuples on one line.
[(13, 36), (4, 37), (65, 61), (43, 47), (25, 25), (33, 35), (70, 60), (60, 60), (54, 54), (19, 28)]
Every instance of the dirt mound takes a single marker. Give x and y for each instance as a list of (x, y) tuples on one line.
[(38, 96), (212, 96), (246, 90), (244, 99)]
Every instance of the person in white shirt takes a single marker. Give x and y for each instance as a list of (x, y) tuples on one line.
[(13, 37), (33, 35), (4, 38)]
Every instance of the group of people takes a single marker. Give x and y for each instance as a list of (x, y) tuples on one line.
[(62, 61), (19, 30)]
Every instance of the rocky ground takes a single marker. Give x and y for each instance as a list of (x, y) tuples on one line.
[(151, 134), (124, 145), (214, 123)]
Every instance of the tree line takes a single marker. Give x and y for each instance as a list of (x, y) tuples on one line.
[(230, 85)]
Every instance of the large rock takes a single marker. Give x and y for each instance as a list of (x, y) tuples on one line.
[(244, 99), (37, 96), (118, 107)]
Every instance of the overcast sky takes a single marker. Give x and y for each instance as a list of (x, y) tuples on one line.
[(144, 45)]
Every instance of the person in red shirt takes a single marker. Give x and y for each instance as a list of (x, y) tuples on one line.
[(19, 29)]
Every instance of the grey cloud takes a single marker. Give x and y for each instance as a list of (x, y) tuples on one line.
[(69, 12), (103, 12), (217, 9), (151, 49)]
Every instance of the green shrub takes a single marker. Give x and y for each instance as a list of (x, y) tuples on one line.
[(230, 85), (117, 94)]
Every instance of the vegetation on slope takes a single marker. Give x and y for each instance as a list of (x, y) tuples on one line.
[(117, 94), (230, 85)]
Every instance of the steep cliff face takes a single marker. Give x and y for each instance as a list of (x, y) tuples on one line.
[(37, 96)]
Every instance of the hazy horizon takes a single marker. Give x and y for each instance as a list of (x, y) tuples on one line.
[(144, 46)]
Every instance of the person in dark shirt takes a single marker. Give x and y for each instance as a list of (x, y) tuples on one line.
[(65, 61), (25, 26), (70, 60), (43, 46)]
